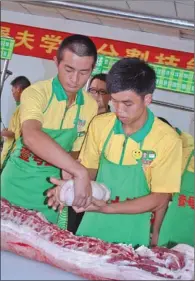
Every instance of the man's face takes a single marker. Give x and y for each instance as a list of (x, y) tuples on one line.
[(98, 91), (16, 92), (74, 71), (129, 106)]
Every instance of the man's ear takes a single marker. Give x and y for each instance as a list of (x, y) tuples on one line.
[(148, 99), (55, 60), (19, 90)]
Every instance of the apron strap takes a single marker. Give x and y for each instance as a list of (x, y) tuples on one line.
[(49, 102), (189, 159), (77, 116)]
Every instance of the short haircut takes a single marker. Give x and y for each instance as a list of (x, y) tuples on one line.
[(100, 76), (131, 74), (80, 45), (165, 121), (21, 81)]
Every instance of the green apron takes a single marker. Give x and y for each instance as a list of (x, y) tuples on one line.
[(24, 179), (178, 224), (125, 182)]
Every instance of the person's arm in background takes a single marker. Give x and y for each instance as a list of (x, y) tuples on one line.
[(10, 131), (7, 133), (32, 106)]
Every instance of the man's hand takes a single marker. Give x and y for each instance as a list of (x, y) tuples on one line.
[(7, 134), (95, 206), (66, 176), (82, 190), (4, 130), (53, 195)]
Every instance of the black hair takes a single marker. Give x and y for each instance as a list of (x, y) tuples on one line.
[(80, 45), (165, 121), (21, 81), (99, 76), (131, 74)]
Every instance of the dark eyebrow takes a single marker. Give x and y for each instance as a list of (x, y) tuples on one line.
[(123, 100), (66, 65)]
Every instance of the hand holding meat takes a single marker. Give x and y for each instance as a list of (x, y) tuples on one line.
[(64, 192)]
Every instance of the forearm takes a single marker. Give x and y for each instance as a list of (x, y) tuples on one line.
[(159, 216), (47, 149), (158, 219), (144, 204), (92, 174)]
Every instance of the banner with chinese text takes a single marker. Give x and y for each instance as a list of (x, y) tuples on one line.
[(43, 43), (168, 78)]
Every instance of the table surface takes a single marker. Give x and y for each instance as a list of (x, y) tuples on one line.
[(14, 267)]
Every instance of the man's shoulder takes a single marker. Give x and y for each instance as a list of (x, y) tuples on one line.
[(163, 130), (104, 122), (187, 140), (89, 100), (105, 117), (41, 85), (40, 90)]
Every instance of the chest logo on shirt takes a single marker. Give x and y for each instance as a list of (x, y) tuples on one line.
[(148, 156), (80, 124)]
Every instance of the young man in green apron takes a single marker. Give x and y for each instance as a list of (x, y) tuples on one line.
[(178, 224), (134, 154), (55, 115), (19, 84)]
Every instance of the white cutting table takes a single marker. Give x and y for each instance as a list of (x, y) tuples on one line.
[(14, 267)]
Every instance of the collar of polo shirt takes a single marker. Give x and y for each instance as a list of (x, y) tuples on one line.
[(141, 133), (61, 95), (178, 131)]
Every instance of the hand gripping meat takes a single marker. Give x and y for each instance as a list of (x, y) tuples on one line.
[(66, 195)]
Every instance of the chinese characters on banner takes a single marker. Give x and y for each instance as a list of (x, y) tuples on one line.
[(43, 43), (168, 78)]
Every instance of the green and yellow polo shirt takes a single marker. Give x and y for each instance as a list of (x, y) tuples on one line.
[(163, 173), (46, 102)]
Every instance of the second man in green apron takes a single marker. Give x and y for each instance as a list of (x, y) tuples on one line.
[(134, 154)]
